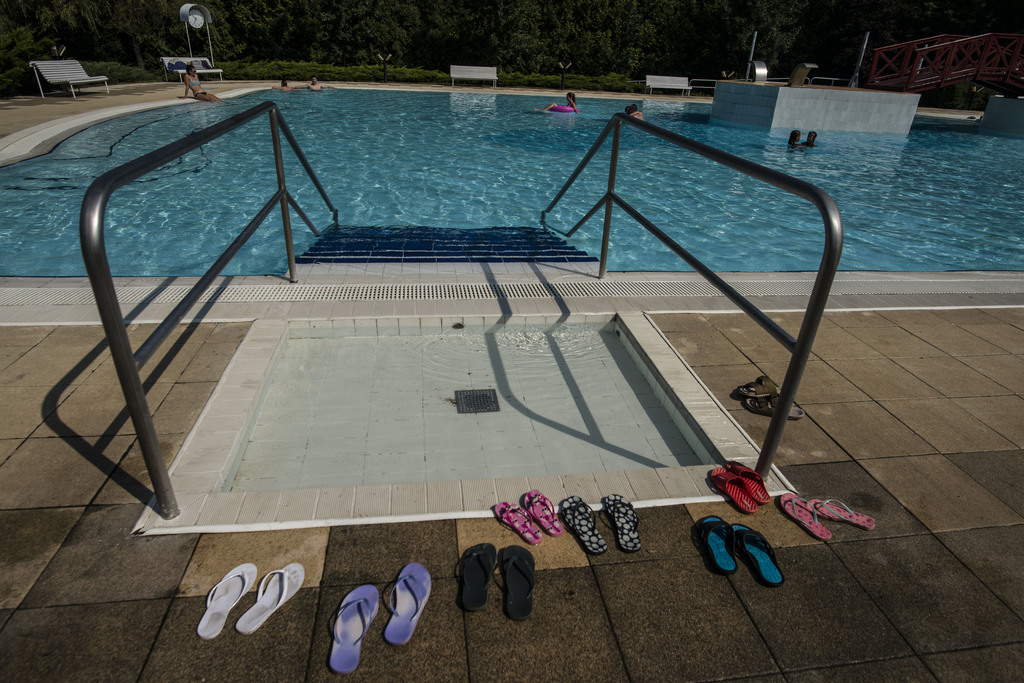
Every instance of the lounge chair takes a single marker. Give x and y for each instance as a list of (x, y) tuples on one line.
[(177, 65), (64, 72)]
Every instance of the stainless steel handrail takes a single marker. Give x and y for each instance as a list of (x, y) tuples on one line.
[(127, 362), (799, 348)]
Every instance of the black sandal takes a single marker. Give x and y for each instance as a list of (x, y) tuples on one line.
[(477, 567)]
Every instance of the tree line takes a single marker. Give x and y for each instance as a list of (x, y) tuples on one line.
[(696, 38)]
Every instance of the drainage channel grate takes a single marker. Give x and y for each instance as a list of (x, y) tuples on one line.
[(476, 400), (66, 296)]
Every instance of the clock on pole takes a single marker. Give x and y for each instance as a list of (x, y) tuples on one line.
[(197, 17)]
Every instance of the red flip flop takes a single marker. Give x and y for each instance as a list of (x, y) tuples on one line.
[(752, 480), (732, 486)]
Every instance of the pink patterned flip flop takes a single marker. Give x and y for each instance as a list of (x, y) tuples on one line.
[(803, 513), (543, 512), (518, 519), (841, 512)]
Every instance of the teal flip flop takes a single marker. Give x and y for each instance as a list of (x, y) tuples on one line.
[(716, 535), (760, 554)]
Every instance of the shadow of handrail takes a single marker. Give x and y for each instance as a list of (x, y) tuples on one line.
[(799, 348), (128, 362)]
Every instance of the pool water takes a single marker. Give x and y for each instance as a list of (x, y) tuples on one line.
[(944, 197)]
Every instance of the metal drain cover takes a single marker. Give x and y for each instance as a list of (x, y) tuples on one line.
[(476, 400)]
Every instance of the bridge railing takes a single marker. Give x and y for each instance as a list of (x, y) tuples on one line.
[(947, 59)]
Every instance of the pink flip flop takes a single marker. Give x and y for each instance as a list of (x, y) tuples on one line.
[(803, 513), (732, 486), (841, 512), (752, 481), (543, 512), (518, 519)]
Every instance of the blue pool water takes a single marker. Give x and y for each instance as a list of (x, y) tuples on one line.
[(944, 197)]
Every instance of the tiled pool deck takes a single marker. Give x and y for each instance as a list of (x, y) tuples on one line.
[(914, 404)]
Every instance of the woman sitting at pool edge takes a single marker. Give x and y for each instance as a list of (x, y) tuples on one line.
[(193, 85), (571, 107)]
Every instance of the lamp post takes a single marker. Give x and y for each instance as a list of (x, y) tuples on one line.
[(564, 67), (385, 61)]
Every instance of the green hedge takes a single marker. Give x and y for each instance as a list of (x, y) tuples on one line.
[(119, 73)]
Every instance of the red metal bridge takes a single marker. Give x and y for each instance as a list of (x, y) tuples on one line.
[(992, 60)]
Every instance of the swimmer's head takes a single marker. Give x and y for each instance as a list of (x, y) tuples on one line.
[(794, 137)]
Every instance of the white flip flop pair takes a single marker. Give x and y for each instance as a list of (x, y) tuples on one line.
[(275, 589)]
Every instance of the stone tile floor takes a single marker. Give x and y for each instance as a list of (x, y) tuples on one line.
[(912, 416)]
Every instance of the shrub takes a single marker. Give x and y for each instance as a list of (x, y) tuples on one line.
[(118, 73), (17, 49)]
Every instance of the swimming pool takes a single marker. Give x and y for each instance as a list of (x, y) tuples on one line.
[(945, 197)]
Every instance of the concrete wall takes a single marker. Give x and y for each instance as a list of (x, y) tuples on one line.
[(813, 108), (1004, 115)]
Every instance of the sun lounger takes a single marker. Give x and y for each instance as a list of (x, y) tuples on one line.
[(177, 65), (64, 72), (475, 73), (681, 83)]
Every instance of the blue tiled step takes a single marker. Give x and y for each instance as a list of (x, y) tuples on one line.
[(411, 244)]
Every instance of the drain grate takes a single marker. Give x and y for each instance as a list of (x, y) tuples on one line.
[(476, 400)]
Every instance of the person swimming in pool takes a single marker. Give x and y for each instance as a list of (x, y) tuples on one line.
[(193, 85), (632, 110), (314, 85), (809, 142), (794, 138), (571, 107), (284, 85)]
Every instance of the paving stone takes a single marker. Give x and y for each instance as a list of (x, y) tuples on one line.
[(915, 318), (965, 317), (217, 554), (996, 557), (1000, 472), (8, 446), (895, 342), (100, 561), (53, 472), (1001, 413), (1006, 337), (909, 669), (803, 441), (679, 322), (933, 600), (104, 642), (31, 537), (705, 347), (1005, 369), (376, 553), (722, 380), (950, 377), (24, 336), (181, 407), (834, 342), (953, 340), (25, 408), (882, 378), (819, 616), (130, 482), (858, 319), (820, 383), (845, 422), (277, 651), (947, 426), (674, 620), (1000, 663), (848, 482), (436, 652), (95, 410), (940, 494), (756, 344)]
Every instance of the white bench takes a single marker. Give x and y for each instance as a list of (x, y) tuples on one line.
[(64, 72), (681, 83), (474, 73), (177, 65)]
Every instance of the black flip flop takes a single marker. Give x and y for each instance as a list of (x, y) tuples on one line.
[(716, 536), (624, 520), (478, 564), (759, 554), (517, 565), (578, 518)]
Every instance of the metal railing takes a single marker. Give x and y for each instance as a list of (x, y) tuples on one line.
[(127, 362), (799, 348)]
